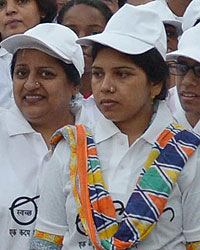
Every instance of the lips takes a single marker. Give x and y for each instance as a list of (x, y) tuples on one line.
[(13, 22), (188, 94), (108, 103), (32, 98), (189, 97)]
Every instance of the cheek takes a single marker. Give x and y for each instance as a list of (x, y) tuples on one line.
[(17, 89), (33, 19)]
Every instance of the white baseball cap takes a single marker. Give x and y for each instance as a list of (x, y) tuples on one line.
[(132, 30), (188, 45), (53, 39), (165, 14), (191, 15)]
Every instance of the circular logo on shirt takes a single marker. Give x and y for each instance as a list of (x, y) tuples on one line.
[(24, 210)]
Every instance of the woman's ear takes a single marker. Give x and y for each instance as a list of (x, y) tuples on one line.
[(75, 90), (155, 90)]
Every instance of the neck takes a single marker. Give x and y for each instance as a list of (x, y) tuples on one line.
[(178, 7), (192, 118), (47, 128), (136, 126), (86, 84)]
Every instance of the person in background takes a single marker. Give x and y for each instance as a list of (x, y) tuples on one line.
[(177, 7), (85, 17), (172, 26), (138, 2), (173, 31), (16, 17), (46, 69), (191, 16), (187, 68), (112, 4), (129, 180), (60, 4)]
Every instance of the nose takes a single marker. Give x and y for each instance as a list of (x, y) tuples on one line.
[(107, 83), (11, 7), (189, 78), (31, 84)]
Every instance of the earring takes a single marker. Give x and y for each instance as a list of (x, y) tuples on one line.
[(152, 98), (112, 89)]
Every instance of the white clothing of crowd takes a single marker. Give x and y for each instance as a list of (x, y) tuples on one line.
[(27, 166)]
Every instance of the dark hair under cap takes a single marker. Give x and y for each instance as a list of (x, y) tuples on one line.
[(49, 8), (97, 4)]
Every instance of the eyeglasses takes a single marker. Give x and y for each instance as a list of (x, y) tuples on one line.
[(179, 69)]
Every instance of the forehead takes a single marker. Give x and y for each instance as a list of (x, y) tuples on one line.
[(187, 60), (108, 57), (88, 13), (34, 57)]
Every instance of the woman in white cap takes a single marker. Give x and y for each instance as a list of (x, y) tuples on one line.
[(46, 68), (15, 18), (136, 188), (187, 68)]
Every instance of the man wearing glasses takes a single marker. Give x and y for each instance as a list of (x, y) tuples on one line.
[(186, 67)]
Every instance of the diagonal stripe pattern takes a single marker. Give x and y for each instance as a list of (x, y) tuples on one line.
[(169, 154)]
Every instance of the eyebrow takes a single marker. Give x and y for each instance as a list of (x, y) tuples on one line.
[(90, 25), (41, 67), (121, 67)]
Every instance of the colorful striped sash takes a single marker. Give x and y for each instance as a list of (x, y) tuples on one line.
[(169, 154)]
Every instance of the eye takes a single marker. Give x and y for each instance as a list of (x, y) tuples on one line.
[(22, 1), (171, 34), (20, 73), (47, 74), (97, 73), (197, 70), (182, 67), (2, 4), (95, 32), (122, 74)]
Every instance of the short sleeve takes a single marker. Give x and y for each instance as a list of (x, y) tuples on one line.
[(52, 213)]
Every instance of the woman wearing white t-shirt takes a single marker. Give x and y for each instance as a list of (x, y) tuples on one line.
[(46, 70), (132, 192)]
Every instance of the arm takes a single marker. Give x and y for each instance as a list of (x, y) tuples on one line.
[(51, 223), (189, 183), (38, 243)]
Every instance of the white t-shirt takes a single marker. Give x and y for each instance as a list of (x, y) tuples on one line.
[(121, 166), (6, 99), (21, 152)]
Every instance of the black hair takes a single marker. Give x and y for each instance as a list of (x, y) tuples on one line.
[(102, 7), (70, 70), (152, 63), (49, 8)]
